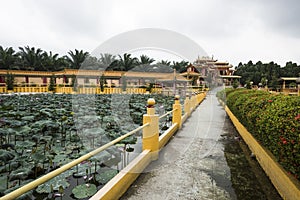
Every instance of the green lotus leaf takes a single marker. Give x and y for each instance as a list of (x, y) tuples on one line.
[(6, 155), (24, 144), (24, 130), (56, 182), (84, 191), (19, 174), (105, 176), (59, 158), (28, 118), (38, 157), (83, 168), (3, 183)]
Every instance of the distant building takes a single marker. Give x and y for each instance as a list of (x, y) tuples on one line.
[(206, 70)]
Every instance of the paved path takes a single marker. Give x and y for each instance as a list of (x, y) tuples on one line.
[(192, 165)]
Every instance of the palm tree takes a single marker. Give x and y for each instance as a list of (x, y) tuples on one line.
[(31, 58), (76, 58), (124, 63), (145, 60), (91, 62), (180, 66), (164, 62), (53, 62), (8, 58), (106, 59)]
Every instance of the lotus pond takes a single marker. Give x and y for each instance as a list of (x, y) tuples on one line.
[(41, 132)]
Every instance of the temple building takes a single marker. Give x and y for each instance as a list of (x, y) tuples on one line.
[(206, 70)]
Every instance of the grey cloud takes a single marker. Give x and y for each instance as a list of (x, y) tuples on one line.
[(280, 16)]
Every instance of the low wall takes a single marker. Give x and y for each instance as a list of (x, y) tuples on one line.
[(287, 186), (165, 137)]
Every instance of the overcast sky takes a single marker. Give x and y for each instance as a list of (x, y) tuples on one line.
[(230, 30)]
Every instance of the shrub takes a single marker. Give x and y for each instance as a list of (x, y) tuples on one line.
[(274, 120)]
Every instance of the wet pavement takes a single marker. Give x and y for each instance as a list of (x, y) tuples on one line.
[(203, 160)]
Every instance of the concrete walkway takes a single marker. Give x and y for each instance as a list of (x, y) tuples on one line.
[(192, 165)]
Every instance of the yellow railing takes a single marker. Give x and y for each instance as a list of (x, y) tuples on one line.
[(3, 90), (152, 143), (30, 89)]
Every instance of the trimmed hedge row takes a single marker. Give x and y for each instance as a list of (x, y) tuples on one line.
[(274, 120)]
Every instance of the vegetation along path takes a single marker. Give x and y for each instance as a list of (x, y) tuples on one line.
[(204, 160)]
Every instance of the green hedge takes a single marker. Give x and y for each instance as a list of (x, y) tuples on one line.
[(274, 120)]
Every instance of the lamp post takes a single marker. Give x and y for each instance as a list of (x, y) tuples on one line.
[(174, 82)]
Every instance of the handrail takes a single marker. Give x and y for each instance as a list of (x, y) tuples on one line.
[(167, 113), (18, 192)]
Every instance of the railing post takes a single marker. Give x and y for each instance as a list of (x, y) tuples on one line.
[(194, 101), (187, 108), (151, 132), (198, 98), (177, 111)]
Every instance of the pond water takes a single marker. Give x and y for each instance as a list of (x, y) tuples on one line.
[(247, 177)]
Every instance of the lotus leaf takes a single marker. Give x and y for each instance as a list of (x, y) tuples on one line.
[(46, 112), (24, 130), (3, 183), (19, 174), (82, 169), (129, 140), (56, 182), (38, 157), (24, 144), (28, 118), (84, 191), (15, 123), (60, 158), (6, 155), (105, 176)]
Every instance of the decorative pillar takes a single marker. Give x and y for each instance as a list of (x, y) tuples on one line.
[(151, 132), (177, 111)]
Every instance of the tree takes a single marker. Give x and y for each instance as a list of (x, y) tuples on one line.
[(10, 80), (256, 72), (145, 60), (124, 83), (75, 59), (8, 58), (52, 62), (235, 84), (74, 83), (124, 63), (106, 59), (31, 58), (52, 84), (164, 62), (102, 82), (180, 66), (90, 62)]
